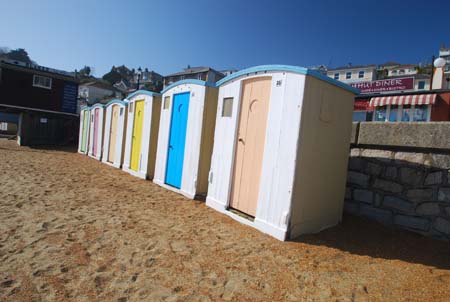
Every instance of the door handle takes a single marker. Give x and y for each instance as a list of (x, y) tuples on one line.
[(241, 140), (170, 147)]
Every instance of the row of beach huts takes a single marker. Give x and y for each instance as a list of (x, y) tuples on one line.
[(267, 146)]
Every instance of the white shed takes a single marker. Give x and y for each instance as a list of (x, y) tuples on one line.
[(144, 109), (186, 134), (97, 125), (114, 135), (83, 137), (281, 148)]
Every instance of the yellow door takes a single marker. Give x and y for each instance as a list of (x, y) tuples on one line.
[(250, 145), (113, 133), (137, 134)]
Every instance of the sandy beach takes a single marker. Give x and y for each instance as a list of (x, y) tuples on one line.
[(74, 229)]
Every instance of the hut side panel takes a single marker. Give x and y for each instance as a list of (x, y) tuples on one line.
[(322, 158), (206, 146), (154, 130)]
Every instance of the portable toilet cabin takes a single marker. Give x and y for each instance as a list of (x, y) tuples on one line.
[(83, 137), (186, 135), (144, 109), (96, 131), (114, 134), (281, 148)]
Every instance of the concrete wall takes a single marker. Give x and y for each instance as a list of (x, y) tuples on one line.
[(399, 175)]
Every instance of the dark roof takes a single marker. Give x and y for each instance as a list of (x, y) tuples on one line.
[(36, 69), (352, 67), (192, 70)]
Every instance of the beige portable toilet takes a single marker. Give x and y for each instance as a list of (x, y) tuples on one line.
[(83, 137), (96, 128), (114, 134), (281, 149), (144, 109), (186, 135)]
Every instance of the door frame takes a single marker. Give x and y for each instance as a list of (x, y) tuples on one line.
[(235, 140), (113, 106), (133, 104), (170, 132)]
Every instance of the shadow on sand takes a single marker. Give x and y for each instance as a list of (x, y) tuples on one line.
[(360, 236)]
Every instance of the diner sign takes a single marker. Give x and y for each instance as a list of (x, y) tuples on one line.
[(385, 85)]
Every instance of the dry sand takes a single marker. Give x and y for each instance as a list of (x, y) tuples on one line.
[(74, 229)]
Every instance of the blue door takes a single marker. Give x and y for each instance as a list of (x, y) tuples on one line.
[(177, 139)]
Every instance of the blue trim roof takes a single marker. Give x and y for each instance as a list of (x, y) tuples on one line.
[(150, 93), (97, 105), (289, 68), (116, 101), (189, 81)]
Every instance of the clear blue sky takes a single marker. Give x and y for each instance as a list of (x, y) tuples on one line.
[(167, 35)]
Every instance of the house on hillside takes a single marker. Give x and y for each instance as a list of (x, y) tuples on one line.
[(93, 92), (42, 100), (206, 74)]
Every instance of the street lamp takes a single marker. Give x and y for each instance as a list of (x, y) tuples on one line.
[(139, 73)]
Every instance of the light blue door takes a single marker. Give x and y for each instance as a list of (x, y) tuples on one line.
[(177, 139)]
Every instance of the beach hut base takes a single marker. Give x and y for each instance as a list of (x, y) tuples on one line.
[(93, 156), (267, 228), (138, 174), (176, 190)]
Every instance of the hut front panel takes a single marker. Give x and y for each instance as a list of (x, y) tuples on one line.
[(148, 107), (321, 167), (113, 133), (96, 132), (193, 136), (113, 140), (177, 139), (278, 164), (136, 139), (250, 144), (84, 131)]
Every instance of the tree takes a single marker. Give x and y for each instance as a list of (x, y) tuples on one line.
[(19, 54), (85, 72)]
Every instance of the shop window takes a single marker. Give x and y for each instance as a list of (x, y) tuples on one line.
[(359, 116), (227, 107), (166, 104), (407, 112), (336, 76), (393, 113), (361, 74), (348, 75), (42, 82), (421, 113), (380, 114), (421, 85)]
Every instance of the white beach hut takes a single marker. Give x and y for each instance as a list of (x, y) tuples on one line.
[(186, 134), (96, 131), (281, 149), (114, 134), (83, 137), (144, 109)]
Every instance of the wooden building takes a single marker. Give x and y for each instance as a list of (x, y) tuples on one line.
[(45, 100)]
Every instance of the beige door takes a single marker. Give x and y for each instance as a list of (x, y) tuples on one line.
[(113, 133), (250, 145)]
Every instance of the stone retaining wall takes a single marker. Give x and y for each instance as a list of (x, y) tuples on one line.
[(399, 182)]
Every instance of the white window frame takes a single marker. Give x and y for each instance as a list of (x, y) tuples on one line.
[(361, 74), (399, 114), (35, 76), (336, 76), (346, 75)]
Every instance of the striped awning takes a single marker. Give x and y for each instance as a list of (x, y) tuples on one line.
[(411, 99)]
